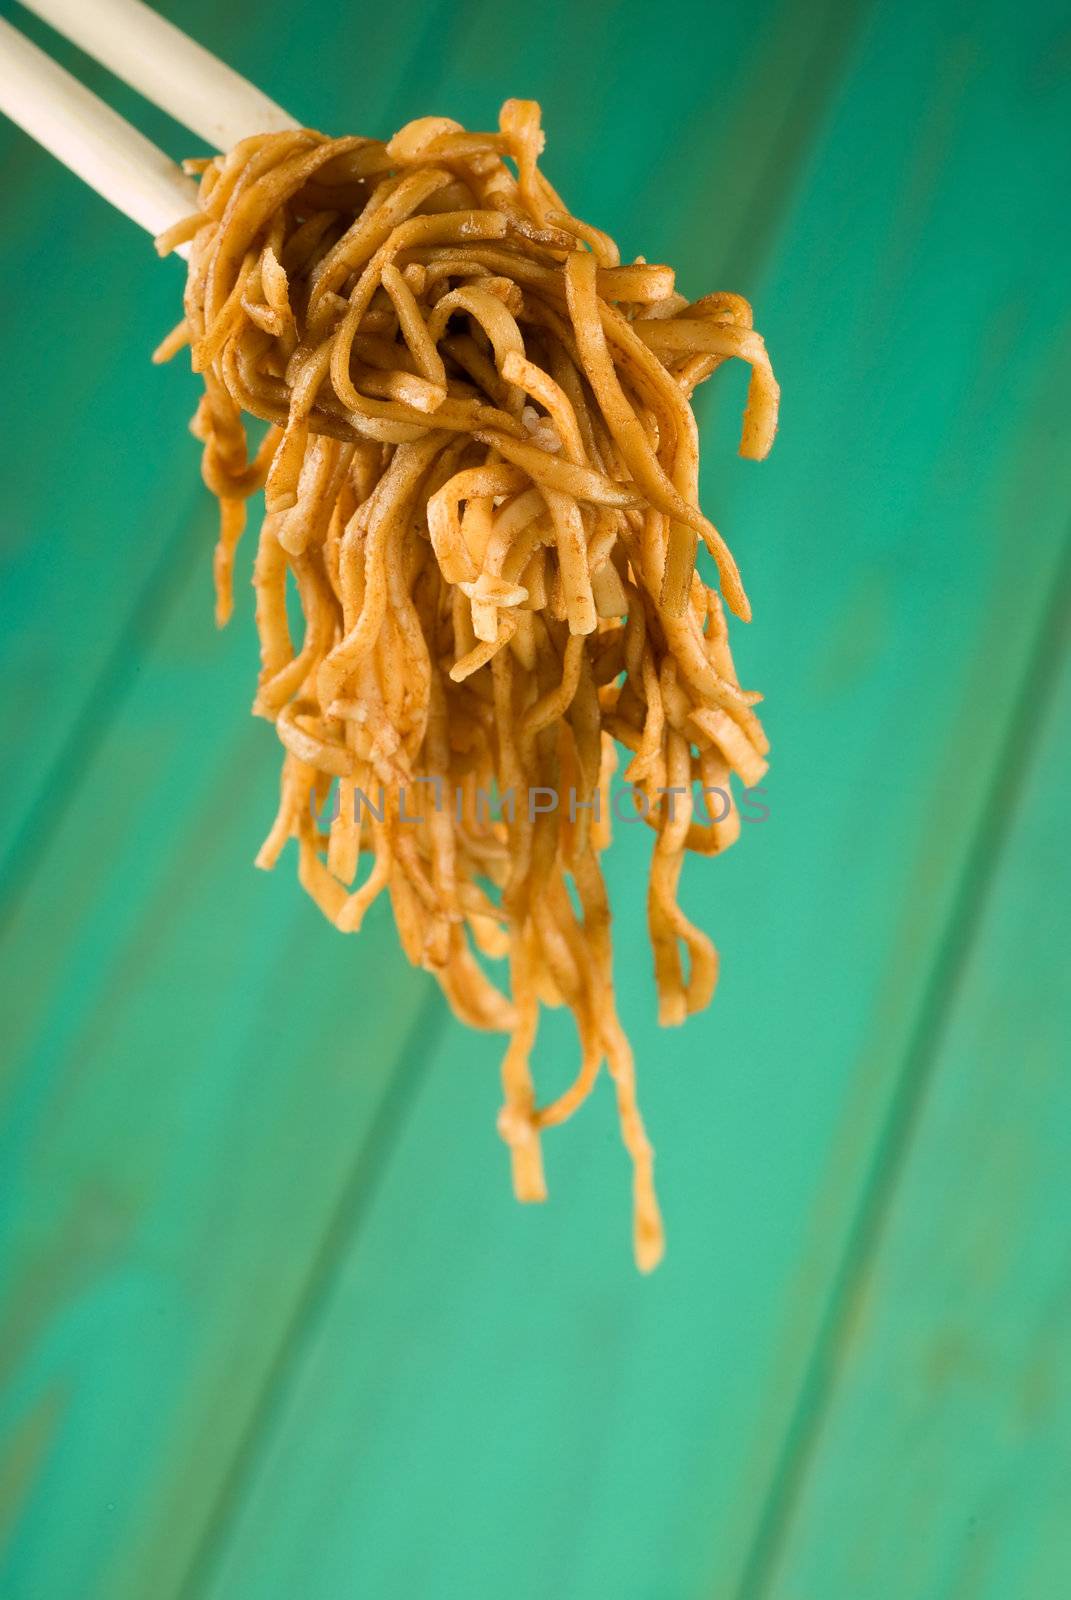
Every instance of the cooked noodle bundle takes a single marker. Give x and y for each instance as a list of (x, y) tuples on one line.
[(480, 478)]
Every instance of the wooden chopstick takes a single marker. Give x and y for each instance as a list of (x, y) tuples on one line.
[(166, 67), (89, 137)]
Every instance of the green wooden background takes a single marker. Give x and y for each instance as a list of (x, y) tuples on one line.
[(272, 1327)]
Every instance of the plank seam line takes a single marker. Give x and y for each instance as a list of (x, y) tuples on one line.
[(752, 251), (280, 1380), (1012, 770), (56, 791)]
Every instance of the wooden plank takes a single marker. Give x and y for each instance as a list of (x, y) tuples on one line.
[(937, 1458), (492, 1401), (190, 1119), (174, 1144)]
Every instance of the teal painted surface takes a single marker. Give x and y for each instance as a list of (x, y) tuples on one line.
[(951, 1407), (272, 1325)]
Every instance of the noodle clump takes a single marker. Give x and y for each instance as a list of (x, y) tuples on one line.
[(480, 478)]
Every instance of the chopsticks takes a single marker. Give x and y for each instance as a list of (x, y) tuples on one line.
[(89, 137), (164, 66)]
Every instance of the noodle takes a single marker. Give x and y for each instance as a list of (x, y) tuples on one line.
[(480, 476)]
